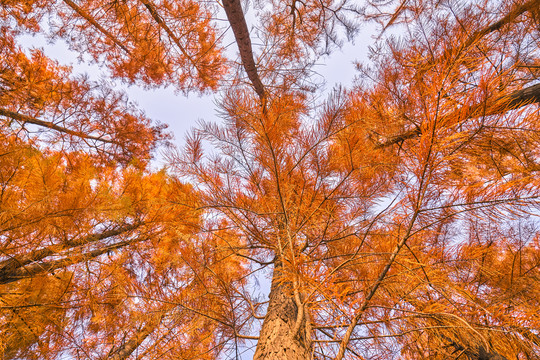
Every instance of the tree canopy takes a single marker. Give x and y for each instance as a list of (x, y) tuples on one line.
[(395, 219)]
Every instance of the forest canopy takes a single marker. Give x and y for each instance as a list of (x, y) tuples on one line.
[(396, 218)]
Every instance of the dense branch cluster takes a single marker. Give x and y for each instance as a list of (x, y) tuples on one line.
[(394, 219)]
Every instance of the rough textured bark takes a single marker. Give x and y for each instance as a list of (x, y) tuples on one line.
[(277, 339), (235, 15)]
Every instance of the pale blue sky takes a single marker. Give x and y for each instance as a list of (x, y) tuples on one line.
[(182, 112)]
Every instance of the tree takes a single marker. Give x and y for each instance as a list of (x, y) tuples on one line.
[(396, 219), (390, 171), (167, 43), (89, 235)]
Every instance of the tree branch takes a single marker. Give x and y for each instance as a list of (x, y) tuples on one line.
[(515, 100), (14, 263), (510, 17), (38, 268), (236, 18), (126, 349), (158, 19), (397, 139), (94, 23), (519, 98), (24, 119), (479, 354)]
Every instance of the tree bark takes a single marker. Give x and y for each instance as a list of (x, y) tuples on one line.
[(519, 98), (479, 353), (41, 267), (14, 263), (235, 15), (512, 15), (515, 100), (23, 119), (277, 340)]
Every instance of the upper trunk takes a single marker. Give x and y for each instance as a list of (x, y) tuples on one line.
[(235, 15), (277, 339)]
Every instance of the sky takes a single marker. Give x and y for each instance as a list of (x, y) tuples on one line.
[(180, 112)]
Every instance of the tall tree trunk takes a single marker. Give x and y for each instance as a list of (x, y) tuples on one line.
[(277, 340)]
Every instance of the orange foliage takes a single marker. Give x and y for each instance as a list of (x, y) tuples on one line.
[(396, 219)]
